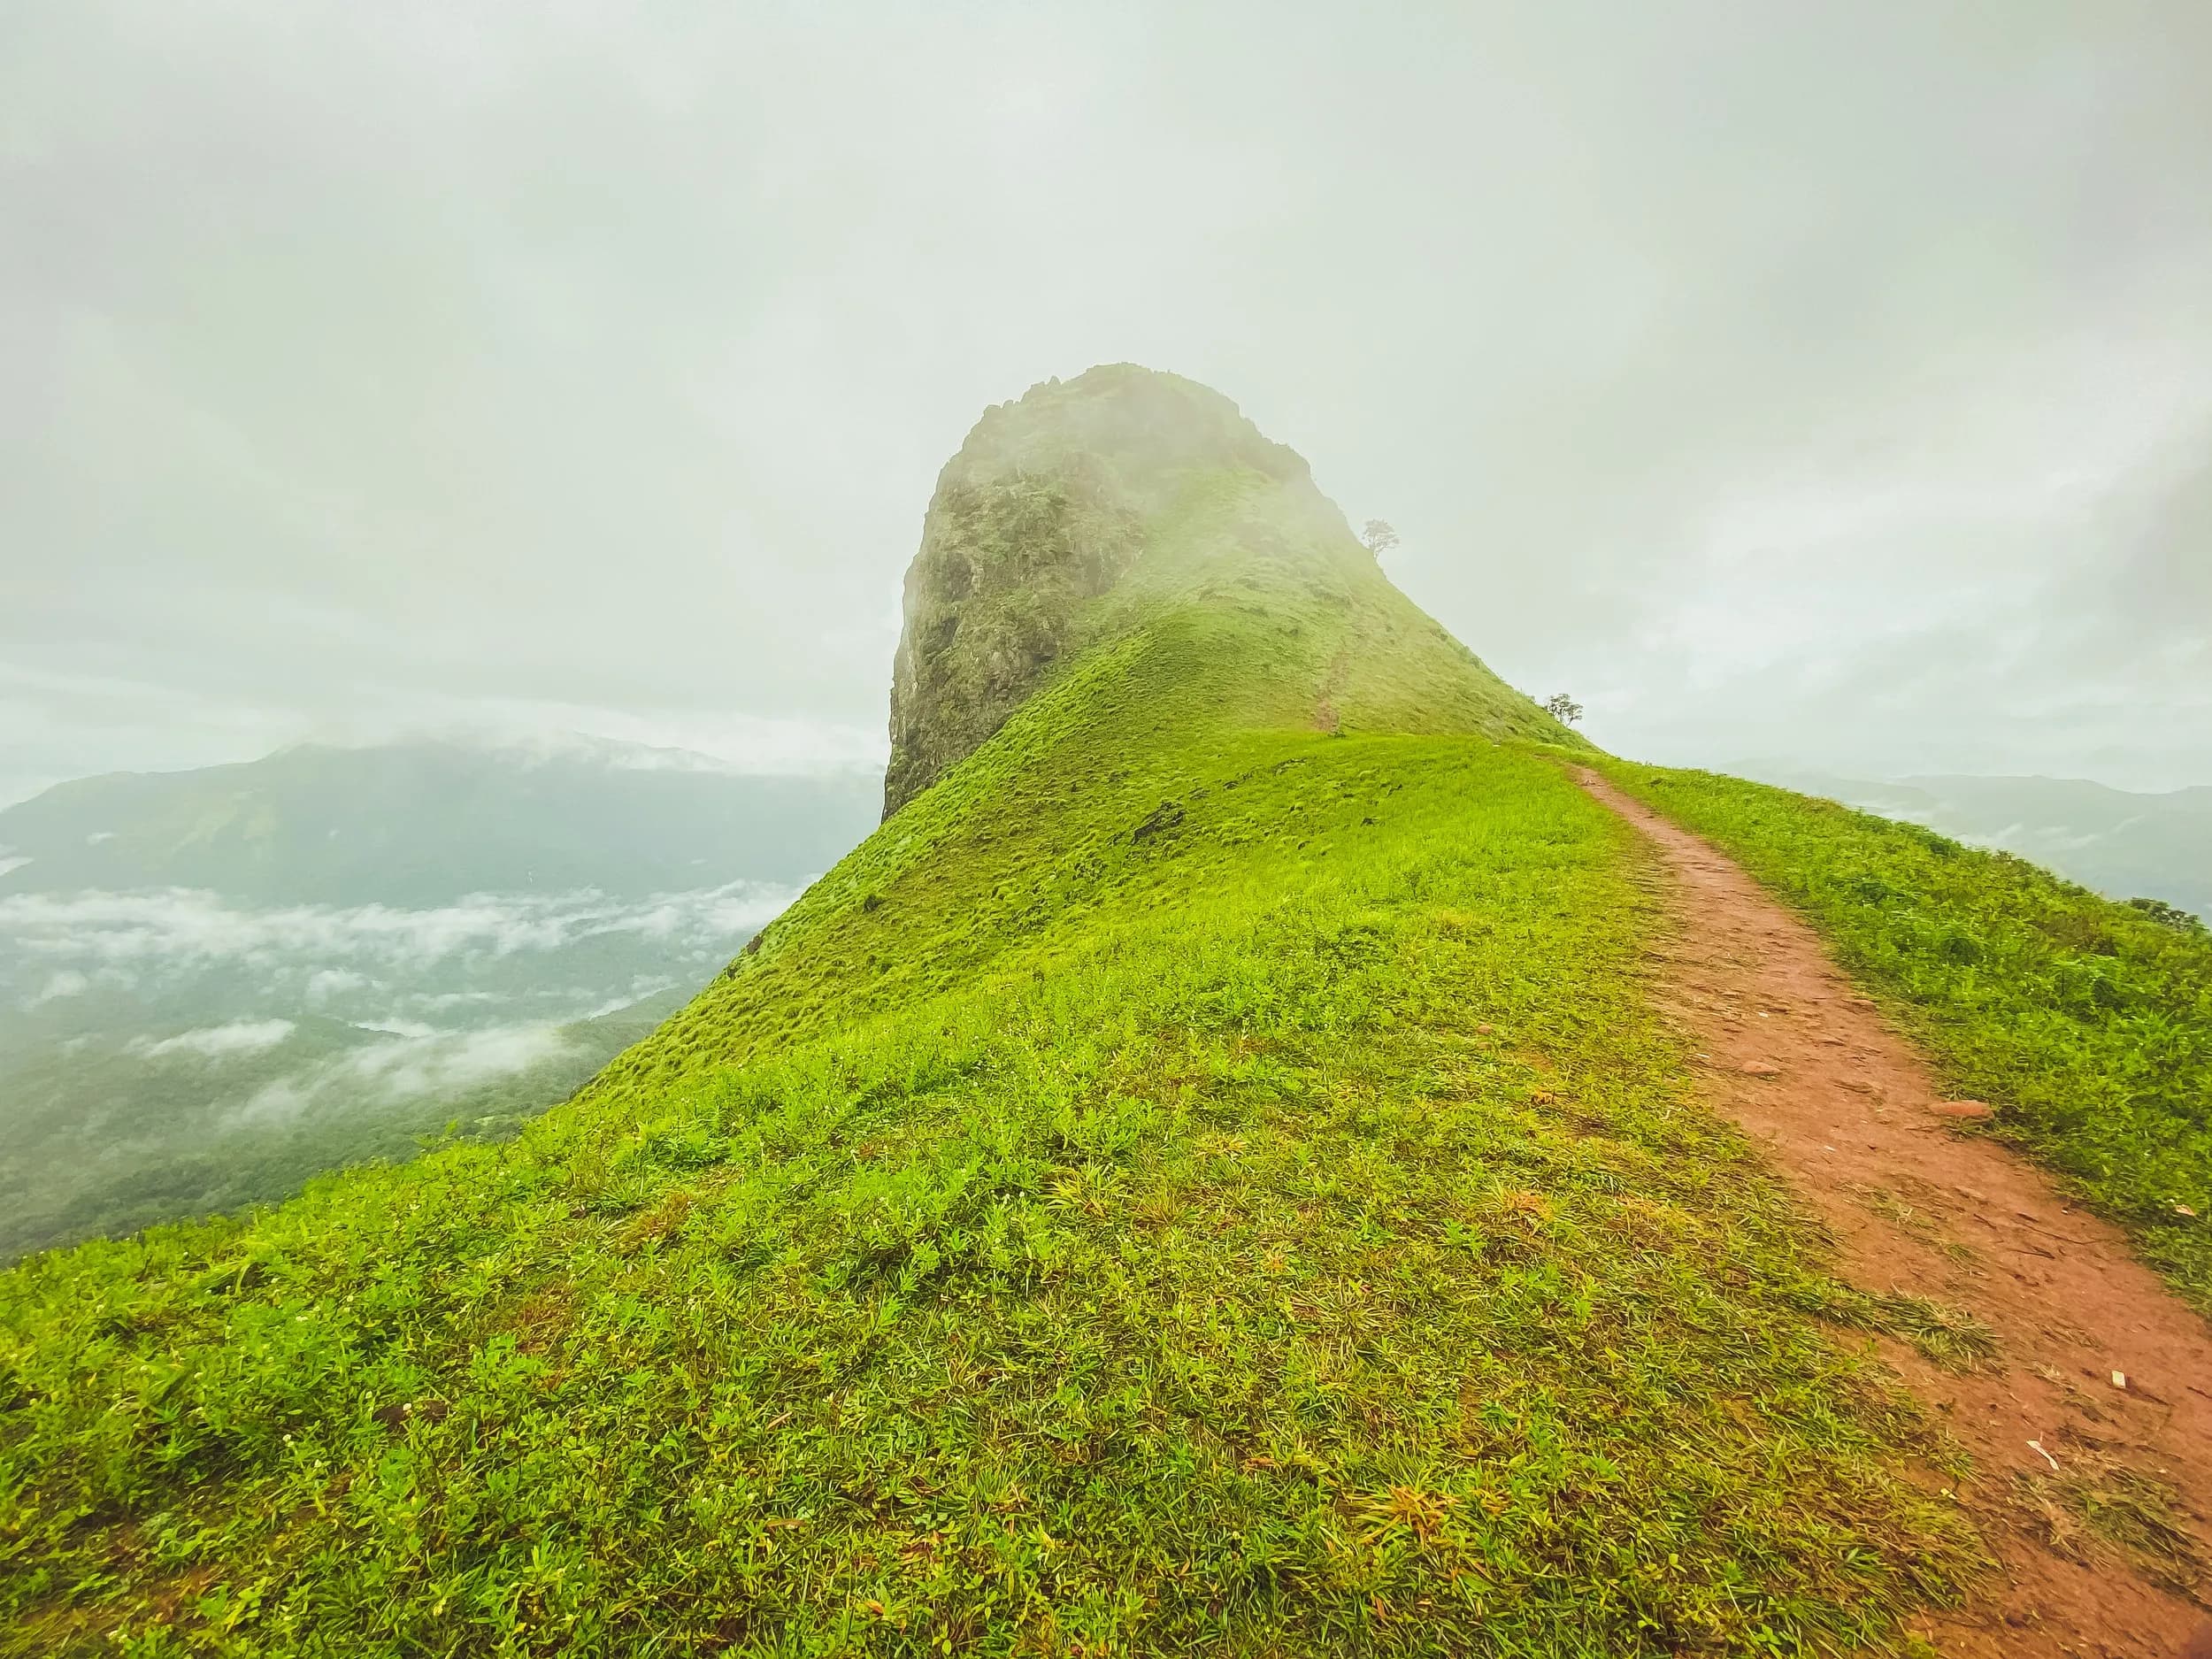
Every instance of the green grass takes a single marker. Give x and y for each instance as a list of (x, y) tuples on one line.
[(2088, 1024), (1053, 1241), (1205, 1177)]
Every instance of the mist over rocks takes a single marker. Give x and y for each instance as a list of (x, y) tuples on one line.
[(1051, 503)]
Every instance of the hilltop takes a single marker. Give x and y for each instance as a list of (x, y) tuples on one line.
[(1207, 1174), (1079, 512)]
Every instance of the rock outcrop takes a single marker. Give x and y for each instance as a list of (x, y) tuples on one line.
[(1125, 498), (1047, 506)]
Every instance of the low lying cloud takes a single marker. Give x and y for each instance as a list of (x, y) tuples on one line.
[(326, 983), (641, 988), (190, 927), (210, 1042), (446, 1002), (416, 1063), (68, 982)]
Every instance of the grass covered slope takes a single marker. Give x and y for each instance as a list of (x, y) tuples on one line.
[(1190, 1182), (2088, 1024), (1198, 1273), (1082, 502)]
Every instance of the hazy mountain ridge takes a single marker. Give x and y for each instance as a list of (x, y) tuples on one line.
[(428, 822), (2122, 843)]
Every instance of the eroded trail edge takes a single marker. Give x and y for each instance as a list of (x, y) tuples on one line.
[(2089, 1425)]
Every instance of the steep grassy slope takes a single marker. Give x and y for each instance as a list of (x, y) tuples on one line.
[(2115, 841), (2085, 1023), (1068, 512), (1204, 1176)]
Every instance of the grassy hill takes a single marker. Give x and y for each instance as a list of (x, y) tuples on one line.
[(1204, 1176), (2118, 841), (2088, 1024)]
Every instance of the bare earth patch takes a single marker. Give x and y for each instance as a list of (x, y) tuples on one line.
[(2091, 1423)]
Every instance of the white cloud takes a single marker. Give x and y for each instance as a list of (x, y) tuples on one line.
[(68, 982), (444, 1001), (641, 988), (189, 927), (326, 983), (398, 1028), (414, 1064), (211, 1042)]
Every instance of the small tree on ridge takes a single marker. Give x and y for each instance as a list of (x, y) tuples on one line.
[(1377, 537)]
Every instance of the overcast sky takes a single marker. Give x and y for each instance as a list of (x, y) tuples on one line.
[(1829, 383)]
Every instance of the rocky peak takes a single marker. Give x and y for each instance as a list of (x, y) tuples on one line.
[(1048, 505)]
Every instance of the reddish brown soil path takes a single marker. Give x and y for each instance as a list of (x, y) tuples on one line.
[(1921, 1206)]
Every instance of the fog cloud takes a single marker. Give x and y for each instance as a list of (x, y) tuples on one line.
[(67, 982), (182, 928), (417, 1062), (213, 1042), (1828, 379)]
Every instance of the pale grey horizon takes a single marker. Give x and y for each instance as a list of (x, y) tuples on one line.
[(1828, 383)]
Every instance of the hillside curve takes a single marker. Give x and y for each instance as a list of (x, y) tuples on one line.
[(1207, 1174)]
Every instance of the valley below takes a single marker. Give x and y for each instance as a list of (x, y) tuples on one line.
[(173, 1050)]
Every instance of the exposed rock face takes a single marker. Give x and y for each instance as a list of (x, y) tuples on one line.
[(989, 602), (1045, 508)]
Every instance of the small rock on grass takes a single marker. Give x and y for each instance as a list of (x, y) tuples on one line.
[(1966, 1110)]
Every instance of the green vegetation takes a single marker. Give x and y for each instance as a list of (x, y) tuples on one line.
[(1204, 1176), (2088, 1024), (2116, 841), (1196, 1275), (1137, 485)]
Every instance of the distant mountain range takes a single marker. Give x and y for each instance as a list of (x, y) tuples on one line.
[(2120, 843), (425, 823), (215, 983)]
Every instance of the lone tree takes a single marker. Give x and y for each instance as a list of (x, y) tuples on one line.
[(2167, 915), (1563, 708), (1377, 537)]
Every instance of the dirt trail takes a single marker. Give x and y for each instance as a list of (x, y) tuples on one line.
[(1847, 1111)]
